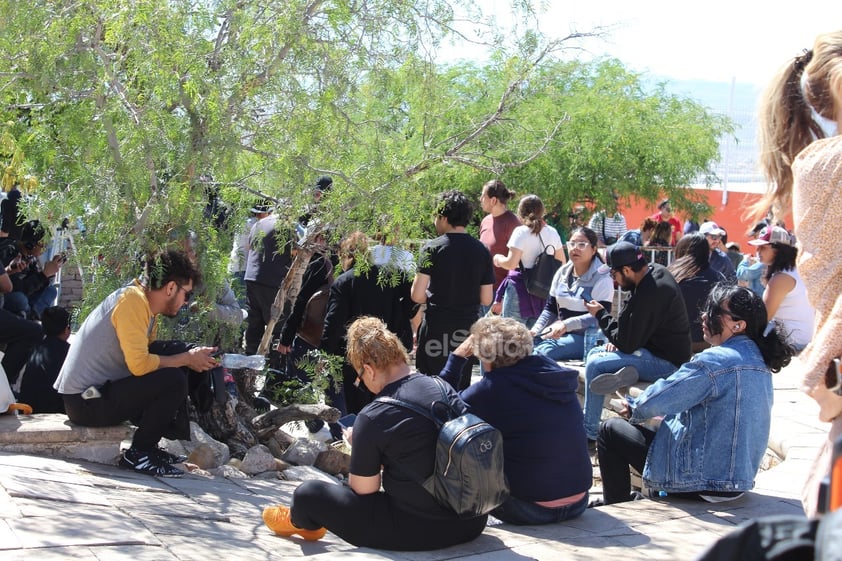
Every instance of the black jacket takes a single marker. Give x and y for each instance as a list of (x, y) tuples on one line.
[(654, 318)]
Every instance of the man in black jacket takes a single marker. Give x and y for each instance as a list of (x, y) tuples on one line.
[(652, 332)]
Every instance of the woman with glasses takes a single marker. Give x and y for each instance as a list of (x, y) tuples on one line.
[(716, 410), (526, 243), (564, 320)]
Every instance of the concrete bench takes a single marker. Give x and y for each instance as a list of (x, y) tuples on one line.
[(52, 434)]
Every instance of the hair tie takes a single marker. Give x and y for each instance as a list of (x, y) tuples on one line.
[(802, 60), (770, 327)]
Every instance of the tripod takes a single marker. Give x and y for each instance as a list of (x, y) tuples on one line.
[(62, 241)]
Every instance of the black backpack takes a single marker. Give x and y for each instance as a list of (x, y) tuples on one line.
[(468, 477)]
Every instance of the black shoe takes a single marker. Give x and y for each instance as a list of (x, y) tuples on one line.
[(261, 404), (591, 446), (596, 503), (606, 384), (170, 458), (148, 463)]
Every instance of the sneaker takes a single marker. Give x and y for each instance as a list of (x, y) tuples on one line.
[(277, 519), (605, 384), (148, 463), (169, 457)]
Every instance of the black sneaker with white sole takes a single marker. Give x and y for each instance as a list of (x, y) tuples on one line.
[(149, 463)]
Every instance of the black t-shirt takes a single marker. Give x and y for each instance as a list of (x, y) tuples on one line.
[(403, 442), (458, 265)]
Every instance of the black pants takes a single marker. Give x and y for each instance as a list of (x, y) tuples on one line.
[(621, 444), (155, 402), (374, 520), (19, 336), (260, 299), (438, 335)]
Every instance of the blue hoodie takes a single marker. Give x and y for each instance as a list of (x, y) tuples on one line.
[(534, 404)]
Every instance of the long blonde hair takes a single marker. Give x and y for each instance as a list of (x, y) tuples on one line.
[(787, 123)]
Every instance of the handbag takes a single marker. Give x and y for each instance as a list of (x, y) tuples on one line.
[(539, 278)]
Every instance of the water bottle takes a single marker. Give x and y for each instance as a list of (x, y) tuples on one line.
[(592, 337), (254, 362)]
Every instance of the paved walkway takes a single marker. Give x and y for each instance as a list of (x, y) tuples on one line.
[(60, 509)]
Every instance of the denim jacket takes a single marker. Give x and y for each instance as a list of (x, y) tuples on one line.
[(717, 411)]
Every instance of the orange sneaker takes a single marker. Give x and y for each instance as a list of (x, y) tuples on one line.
[(277, 519)]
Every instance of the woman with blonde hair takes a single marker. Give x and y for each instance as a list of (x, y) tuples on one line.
[(527, 242), (801, 156), (392, 447)]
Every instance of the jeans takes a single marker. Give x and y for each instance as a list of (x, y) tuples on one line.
[(525, 513), (620, 445), (21, 305), (600, 361), (511, 307), (569, 346)]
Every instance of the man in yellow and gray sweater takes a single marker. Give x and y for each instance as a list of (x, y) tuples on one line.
[(112, 375)]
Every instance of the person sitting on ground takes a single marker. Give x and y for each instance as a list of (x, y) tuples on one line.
[(528, 241), (718, 406), (17, 334), (695, 278), (47, 358), (565, 314), (116, 370), (658, 245), (532, 401), (33, 288), (785, 295), (652, 333), (391, 446), (642, 235)]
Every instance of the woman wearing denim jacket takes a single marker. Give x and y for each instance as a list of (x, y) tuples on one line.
[(716, 410), (565, 313)]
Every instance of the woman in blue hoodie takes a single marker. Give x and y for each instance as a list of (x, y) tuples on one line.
[(532, 401)]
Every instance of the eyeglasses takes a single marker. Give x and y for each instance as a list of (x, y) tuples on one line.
[(578, 245), (715, 310), (188, 294)]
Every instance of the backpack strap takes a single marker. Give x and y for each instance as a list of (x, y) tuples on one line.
[(428, 413)]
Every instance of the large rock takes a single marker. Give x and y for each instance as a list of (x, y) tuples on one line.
[(303, 452), (306, 473), (259, 459), (333, 461), (203, 456), (198, 437)]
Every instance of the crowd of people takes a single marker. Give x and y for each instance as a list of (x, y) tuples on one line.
[(678, 307)]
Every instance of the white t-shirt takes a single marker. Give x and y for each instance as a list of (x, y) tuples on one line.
[(795, 312), (530, 244)]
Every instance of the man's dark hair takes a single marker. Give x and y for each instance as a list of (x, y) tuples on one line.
[(456, 207), (54, 320), (170, 265)]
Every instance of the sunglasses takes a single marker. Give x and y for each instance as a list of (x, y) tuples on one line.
[(188, 294)]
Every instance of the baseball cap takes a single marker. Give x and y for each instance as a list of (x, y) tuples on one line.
[(773, 234), (711, 228), (620, 255)]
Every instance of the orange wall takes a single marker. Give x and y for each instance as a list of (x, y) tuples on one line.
[(728, 216)]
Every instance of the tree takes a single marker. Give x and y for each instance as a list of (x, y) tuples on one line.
[(151, 118)]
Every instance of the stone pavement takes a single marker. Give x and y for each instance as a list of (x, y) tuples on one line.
[(57, 509)]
